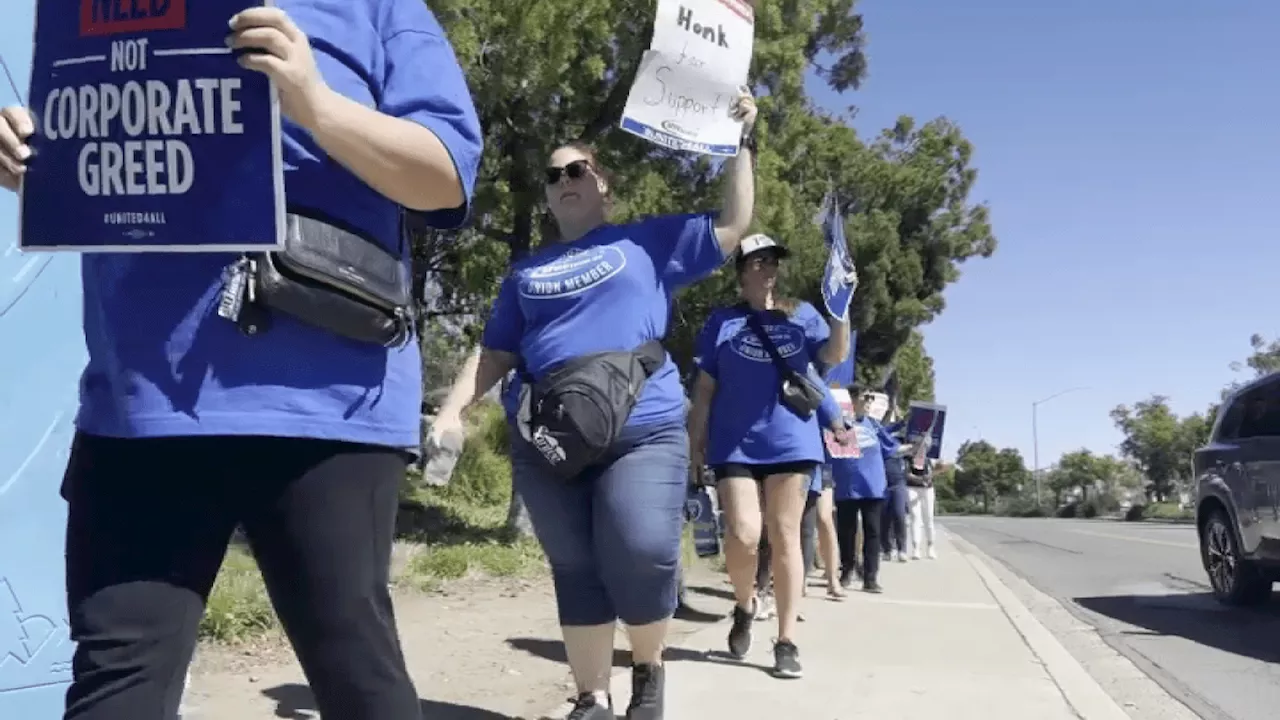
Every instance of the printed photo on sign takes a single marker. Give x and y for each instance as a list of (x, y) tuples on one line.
[(149, 135), (926, 422)]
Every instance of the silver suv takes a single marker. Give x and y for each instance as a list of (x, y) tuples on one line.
[(1238, 495)]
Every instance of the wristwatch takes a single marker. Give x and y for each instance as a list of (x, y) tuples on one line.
[(749, 142)]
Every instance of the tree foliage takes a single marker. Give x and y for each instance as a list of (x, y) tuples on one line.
[(1160, 443), (986, 473), (551, 71), (1090, 475)]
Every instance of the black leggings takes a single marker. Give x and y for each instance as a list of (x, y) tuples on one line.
[(149, 521), (847, 512)]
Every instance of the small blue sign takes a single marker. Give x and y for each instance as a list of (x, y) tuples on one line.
[(837, 289), (149, 135)]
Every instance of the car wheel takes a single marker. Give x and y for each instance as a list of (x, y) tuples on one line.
[(1235, 579)]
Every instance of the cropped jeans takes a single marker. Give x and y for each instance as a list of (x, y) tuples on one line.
[(612, 535)]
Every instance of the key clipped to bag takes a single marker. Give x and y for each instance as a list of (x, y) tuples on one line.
[(237, 302)]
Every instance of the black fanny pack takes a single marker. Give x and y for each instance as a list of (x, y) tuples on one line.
[(800, 394), (575, 413), (327, 277)]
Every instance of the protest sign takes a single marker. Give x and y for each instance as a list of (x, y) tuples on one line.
[(926, 422), (690, 76), (844, 445), (837, 285), (149, 135)]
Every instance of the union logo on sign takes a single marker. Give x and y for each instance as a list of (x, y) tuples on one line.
[(111, 17)]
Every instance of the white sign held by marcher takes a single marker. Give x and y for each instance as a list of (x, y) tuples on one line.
[(690, 76)]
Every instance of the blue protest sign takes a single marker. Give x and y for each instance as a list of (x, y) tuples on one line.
[(149, 136), (837, 290), (927, 419)]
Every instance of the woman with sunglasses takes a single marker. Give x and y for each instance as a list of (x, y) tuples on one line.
[(612, 534), (756, 444)]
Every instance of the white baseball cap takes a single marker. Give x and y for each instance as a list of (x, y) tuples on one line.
[(755, 243)]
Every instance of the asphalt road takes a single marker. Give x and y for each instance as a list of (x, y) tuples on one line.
[(1142, 586)]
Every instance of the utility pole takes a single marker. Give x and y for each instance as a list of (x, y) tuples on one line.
[(1035, 434)]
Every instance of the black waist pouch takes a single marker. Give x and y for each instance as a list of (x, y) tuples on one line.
[(575, 413), (330, 278), (798, 393)]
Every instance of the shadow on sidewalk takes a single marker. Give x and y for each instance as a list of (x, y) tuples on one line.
[(1198, 617), (295, 702), (722, 593), (553, 650)]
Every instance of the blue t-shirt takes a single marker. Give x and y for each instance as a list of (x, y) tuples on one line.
[(161, 361), (864, 477), (748, 424), (609, 290)]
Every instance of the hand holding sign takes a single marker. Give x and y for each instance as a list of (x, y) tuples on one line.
[(285, 57), (840, 278), (744, 109), (15, 128)]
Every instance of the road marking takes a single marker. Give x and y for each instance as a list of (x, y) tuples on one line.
[(1137, 539)]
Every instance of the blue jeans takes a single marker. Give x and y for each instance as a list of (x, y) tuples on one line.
[(612, 536)]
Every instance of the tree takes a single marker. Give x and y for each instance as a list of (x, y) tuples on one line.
[(984, 472), (915, 370), (1264, 360), (1092, 475), (1160, 443)]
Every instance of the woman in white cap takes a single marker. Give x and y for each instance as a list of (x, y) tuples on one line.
[(761, 433)]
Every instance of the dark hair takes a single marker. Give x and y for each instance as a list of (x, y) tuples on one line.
[(548, 227)]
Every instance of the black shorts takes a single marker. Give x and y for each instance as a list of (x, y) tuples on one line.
[(760, 472)]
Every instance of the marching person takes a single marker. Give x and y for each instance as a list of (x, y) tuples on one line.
[(893, 535), (581, 310), (921, 500), (860, 484), (757, 443), (298, 435)]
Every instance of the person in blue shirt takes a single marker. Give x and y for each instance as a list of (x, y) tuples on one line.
[(754, 442), (893, 535), (860, 485), (188, 427), (612, 534)]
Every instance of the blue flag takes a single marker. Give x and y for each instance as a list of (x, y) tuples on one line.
[(149, 135), (838, 282)]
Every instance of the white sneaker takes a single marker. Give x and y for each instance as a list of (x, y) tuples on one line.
[(915, 554), (933, 554), (765, 607), (902, 557)]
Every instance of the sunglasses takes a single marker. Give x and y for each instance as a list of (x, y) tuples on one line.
[(759, 261), (575, 170)]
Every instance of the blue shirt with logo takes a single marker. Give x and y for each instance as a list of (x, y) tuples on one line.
[(161, 361), (864, 477), (609, 290), (748, 424)]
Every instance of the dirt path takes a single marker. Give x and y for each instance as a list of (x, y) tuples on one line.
[(481, 650)]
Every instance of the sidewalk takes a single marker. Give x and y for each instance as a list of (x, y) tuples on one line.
[(946, 639)]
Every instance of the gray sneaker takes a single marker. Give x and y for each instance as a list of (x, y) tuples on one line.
[(786, 661), (588, 707)]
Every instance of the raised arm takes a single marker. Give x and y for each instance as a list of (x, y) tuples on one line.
[(836, 349), (739, 201)]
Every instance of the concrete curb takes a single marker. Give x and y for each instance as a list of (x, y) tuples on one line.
[(1081, 691)]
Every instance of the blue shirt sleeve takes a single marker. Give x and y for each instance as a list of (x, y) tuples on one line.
[(505, 328), (683, 247), (425, 84), (704, 347), (829, 411), (816, 330), (888, 443)]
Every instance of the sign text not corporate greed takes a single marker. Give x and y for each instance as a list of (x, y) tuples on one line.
[(676, 98), (145, 111)]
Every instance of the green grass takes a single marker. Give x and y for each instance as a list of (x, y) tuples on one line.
[(238, 608)]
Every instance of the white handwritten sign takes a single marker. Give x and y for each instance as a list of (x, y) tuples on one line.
[(691, 74)]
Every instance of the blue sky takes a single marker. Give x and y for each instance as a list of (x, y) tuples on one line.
[(1129, 152)]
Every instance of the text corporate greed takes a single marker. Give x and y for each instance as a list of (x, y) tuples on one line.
[(155, 115)]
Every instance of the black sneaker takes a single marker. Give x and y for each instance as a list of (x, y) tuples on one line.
[(786, 660), (647, 683), (872, 586), (588, 707), (740, 633), (847, 577)]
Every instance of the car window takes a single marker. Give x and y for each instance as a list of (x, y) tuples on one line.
[(1229, 427), (1260, 412)]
